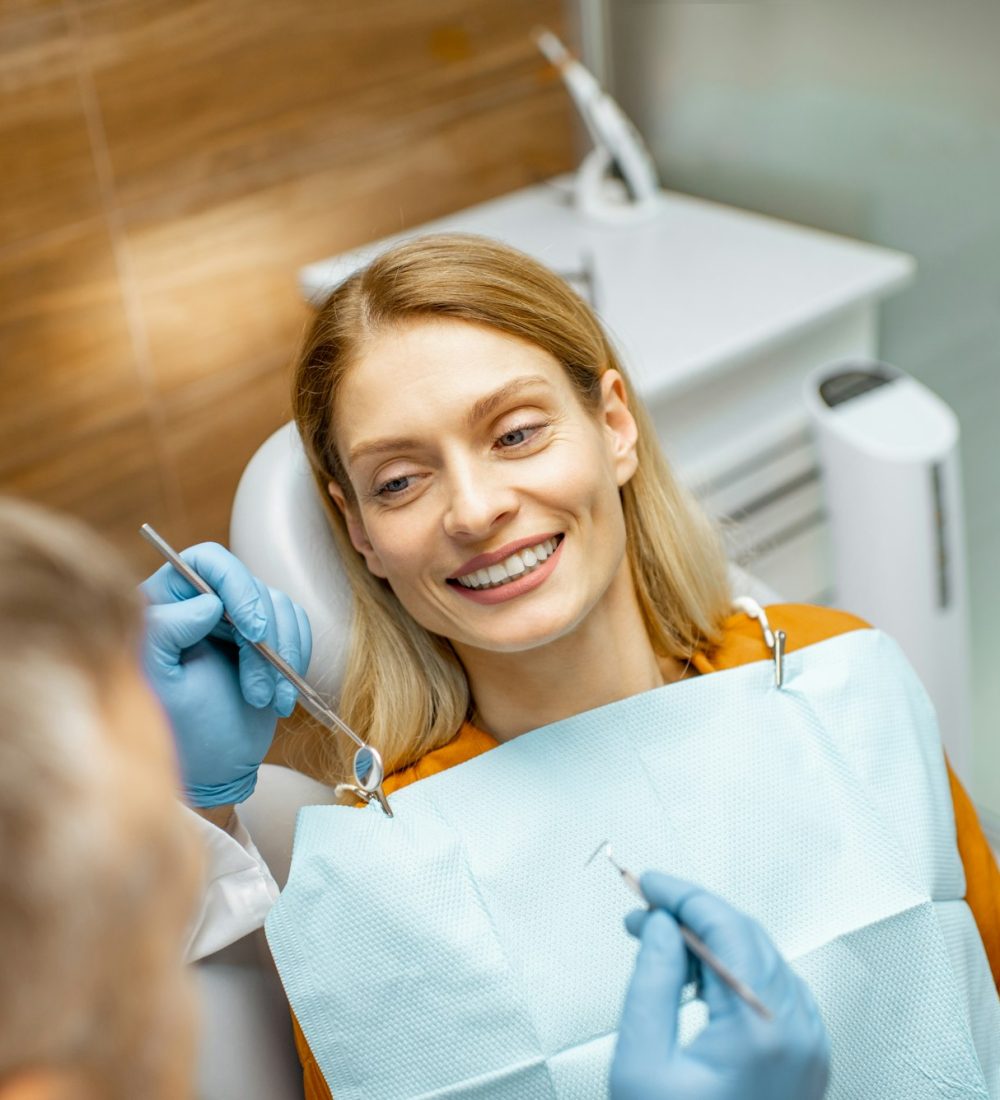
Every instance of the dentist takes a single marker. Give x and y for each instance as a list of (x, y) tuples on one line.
[(100, 869)]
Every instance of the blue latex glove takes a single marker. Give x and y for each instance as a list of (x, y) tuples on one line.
[(739, 1055), (222, 698)]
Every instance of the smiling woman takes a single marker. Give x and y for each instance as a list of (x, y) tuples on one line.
[(501, 504), (525, 569)]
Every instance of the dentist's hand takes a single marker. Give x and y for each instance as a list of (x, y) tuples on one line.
[(223, 699), (739, 1055)]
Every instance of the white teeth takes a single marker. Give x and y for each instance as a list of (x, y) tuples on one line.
[(523, 561), (515, 566)]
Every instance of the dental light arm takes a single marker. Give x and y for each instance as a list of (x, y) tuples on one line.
[(618, 145)]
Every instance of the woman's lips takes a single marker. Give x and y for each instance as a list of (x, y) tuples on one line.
[(484, 561), (517, 587)]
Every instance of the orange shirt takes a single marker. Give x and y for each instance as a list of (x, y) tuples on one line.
[(742, 643)]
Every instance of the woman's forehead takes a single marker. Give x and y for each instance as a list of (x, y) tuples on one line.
[(440, 368)]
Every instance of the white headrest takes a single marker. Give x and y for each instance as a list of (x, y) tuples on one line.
[(280, 531)]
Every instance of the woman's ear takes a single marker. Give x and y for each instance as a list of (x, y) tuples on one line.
[(619, 425), (356, 529)]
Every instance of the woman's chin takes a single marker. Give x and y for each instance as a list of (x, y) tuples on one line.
[(527, 633)]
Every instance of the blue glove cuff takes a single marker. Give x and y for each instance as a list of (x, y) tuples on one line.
[(206, 796)]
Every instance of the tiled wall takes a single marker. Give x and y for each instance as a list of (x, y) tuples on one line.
[(167, 166)]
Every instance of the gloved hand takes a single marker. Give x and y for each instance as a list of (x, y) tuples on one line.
[(222, 698), (739, 1055)]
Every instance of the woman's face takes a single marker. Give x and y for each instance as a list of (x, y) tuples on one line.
[(486, 495)]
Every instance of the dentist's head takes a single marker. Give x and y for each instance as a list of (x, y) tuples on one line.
[(97, 870), (495, 486)]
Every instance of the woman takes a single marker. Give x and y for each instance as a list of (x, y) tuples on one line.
[(639, 578), (507, 522)]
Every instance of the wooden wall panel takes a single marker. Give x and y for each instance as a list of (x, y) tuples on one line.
[(212, 429), (66, 363), (13, 8), (48, 179), (178, 162), (249, 91), (113, 481)]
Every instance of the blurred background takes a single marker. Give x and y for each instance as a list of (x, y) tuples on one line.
[(168, 167), (876, 121)]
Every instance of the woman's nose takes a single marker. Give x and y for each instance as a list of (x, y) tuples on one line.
[(479, 501)]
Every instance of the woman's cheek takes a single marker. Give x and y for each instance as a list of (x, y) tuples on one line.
[(575, 474), (404, 543)]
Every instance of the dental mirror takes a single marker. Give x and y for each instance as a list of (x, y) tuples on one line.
[(368, 769)]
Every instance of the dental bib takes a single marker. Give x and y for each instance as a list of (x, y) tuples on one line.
[(463, 949)]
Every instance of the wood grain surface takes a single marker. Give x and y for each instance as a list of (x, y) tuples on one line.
[(168, 168)]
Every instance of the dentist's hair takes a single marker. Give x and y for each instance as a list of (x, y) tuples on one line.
[(404, 688), (87, 987)]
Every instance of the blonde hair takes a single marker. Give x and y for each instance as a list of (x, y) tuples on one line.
[(415, 696), (86, 985)]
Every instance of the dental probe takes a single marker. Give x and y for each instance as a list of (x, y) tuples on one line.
[(695, 944), (371, 782)]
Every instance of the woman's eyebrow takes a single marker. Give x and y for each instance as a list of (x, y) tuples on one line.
[(488, 405), (381, 446), (483, 408)]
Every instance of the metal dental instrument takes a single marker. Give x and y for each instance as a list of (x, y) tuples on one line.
[(368, 768), (775, 640), (695, 945)]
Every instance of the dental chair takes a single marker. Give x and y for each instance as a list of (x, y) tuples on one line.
[(280, 531)]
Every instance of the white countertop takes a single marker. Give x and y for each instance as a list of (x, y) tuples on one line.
[(689, 293)]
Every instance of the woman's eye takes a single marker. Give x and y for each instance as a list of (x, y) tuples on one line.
[(393, 487), (516, 436)]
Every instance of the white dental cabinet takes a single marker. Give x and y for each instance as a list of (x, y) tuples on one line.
[(719, 315)]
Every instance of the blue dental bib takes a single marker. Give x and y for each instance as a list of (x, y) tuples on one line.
[(462, 949)]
